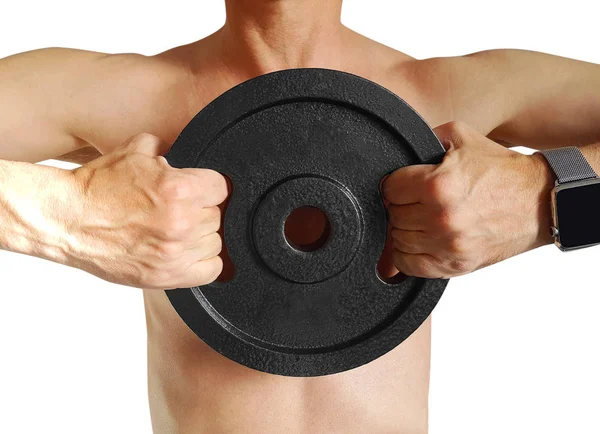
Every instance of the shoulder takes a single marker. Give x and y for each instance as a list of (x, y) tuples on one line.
[(82, 66), (120, 95), (146, 75), (478, 88)]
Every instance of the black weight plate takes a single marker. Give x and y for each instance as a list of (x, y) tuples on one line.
[(293, 138)]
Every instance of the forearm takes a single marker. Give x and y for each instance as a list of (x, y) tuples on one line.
[(36, 209)]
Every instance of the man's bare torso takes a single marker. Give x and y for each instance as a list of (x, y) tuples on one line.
[(191, 387), (194, 389)]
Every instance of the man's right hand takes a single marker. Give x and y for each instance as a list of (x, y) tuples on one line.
[(139, 222)]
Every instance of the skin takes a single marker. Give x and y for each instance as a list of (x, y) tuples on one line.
[(482, 204)]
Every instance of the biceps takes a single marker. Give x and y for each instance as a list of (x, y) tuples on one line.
[(29, 136), (34, 105), (548, 100)]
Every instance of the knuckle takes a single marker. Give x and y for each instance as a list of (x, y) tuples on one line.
[(173, 189), (168, 252), (435, 186), (210, 246), (444, 187), (457, 246), (462, 265), (211, 217), (422, 268), (209, 220), (407, 243), (215, 244), (157, 278), (447, 220), (174, 226), (211, 271), (217, 268), (179, 224), (415, 266)]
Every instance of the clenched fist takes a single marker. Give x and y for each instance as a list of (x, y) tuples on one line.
[(482, 204), (140, 222)]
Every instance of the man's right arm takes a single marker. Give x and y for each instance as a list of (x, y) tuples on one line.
[(126, 217)]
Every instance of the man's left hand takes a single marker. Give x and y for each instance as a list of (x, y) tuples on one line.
[(484, 203)]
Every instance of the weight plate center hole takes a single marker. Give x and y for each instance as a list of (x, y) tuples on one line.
[(307, 228)]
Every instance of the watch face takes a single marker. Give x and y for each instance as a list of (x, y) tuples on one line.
[(578, 212)]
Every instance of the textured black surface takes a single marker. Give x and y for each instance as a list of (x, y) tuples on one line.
[(306, 137)]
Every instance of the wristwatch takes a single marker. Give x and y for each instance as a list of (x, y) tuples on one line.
[(575, 199)]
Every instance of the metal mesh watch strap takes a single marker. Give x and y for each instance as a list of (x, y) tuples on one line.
[(569, 164)]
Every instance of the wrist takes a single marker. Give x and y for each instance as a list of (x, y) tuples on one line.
[(36, 210), (575, 196), (592, 155), (543, 181)]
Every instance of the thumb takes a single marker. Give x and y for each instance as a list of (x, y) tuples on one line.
[(452, 134), (146, 144)]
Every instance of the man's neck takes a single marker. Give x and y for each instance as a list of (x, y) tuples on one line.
[(268, 35)]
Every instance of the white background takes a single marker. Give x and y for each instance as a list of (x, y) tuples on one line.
[(515, 346)]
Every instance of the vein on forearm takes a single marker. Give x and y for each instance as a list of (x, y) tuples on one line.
[(33, 205)]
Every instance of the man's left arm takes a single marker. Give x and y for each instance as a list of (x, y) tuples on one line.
[(485, 203)]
